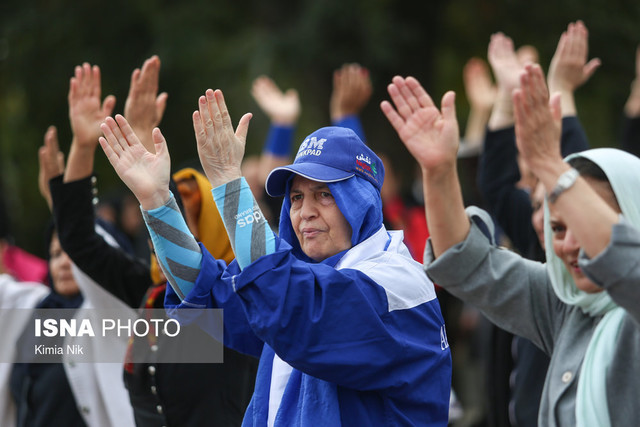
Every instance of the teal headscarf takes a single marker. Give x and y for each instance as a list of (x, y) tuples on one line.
[(623, 172)]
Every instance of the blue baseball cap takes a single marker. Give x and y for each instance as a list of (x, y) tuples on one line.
[(329, 154)]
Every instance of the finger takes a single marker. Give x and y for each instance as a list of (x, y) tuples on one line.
[(86, 79), (159, 143), (555, 107), (519, 113), (109, 151), (135, 76), (150, 74), (402, 107), (73, 90), (448, 106), (409, 96), (224, 112), (51, 139), (205, 116), (108, 105), (60, 162), (127, 132), (114, 135), (392, 115), (539, 86), (591, 68), (161, 104), (215, 116), (198, 128), (421, 95), (96, 85), (243, 126)]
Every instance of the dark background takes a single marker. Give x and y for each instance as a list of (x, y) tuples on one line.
[(226, 44)]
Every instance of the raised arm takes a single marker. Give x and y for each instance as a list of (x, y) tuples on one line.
[(283, 110), (631, 125), (146, 174), (432, 137), (86, 113), (51, 161), (506, 70), (351, 92), (144, 107), (538, 138), (481, 94), (569, 68)]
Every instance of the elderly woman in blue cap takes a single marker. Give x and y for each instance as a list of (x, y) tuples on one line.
[(347, 326)]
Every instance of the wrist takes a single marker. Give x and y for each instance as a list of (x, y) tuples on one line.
[(548, 172), (219, 179), (564, 182), (155, 200)]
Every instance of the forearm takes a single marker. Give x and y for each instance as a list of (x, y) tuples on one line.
[(617, 268), (79, 162), (444, 208), (502, 113), (351, 121), (178, 252), (585, 213), (249, 232), (476, 125)]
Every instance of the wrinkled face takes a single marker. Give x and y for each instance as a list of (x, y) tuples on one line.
[(319, 225), (60, 267), (565, 245), (537, 214)]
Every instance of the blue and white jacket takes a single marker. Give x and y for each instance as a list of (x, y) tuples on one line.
[(380, 357)]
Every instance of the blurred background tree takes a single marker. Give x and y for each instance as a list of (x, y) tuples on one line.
[(225, 44)]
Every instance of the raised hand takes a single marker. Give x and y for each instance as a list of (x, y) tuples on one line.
[(504, 62), (145, 173), (86, 109), (632, 106), (430, 135), (51, 161), (538, 121), (220, 148), (144, 107), (352, 90), (283, 108), (569, 68), (480, 90)]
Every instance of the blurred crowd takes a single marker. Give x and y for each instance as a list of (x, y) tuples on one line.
[(499, 373)]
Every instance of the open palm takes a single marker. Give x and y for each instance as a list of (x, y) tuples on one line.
[(430, 135), (146, 174)]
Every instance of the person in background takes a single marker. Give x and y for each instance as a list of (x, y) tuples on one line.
[(514, 198), (216, 392), (631, 117)]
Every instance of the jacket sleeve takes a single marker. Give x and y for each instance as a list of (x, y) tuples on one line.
[(617, 268), (497, 177), (631, 135), (352, 122), (337, 325), (513, 292), (213, 288), (117, 272)]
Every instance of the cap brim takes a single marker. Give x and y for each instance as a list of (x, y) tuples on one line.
[(276, 182)]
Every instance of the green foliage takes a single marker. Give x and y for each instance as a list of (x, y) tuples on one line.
[(224, 44)]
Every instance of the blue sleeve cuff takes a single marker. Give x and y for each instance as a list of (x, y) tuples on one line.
[(279, 140), (352, 122)]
